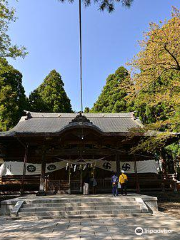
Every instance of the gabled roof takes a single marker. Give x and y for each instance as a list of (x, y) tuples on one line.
[(52, 123)]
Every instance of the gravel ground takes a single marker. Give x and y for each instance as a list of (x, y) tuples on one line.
[(172, 208)]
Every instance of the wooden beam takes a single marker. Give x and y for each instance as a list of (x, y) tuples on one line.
[(83, 151)]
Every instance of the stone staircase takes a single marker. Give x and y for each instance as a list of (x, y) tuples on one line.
[(82, 207)]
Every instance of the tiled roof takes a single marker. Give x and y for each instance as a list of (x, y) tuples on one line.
[(56, 122)]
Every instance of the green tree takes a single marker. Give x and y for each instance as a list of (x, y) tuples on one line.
[(157, 85), (158, 103), (7, 49), (86, 110), (105, 4), (12, 96), (50, 96), (113, 96), (36, 102)]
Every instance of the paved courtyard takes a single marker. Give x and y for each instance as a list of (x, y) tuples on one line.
[(33, 228)]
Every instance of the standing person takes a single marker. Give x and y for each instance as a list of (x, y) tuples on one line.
[(86, 185), (114, 181), (123, 181)]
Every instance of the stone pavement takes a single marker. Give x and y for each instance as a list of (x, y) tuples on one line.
[(90, 229)]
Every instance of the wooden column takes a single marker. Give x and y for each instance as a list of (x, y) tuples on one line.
[(94, 177), (117, 164), (137, 179), (42, 191), (69, 171), (24, 169), (81, 181), (164, 170)]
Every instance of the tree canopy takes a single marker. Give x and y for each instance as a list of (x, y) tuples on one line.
[(156, 77), (108, 5), (7, 49), (113, 96), (160, 51), (50, 96), (12, 96)]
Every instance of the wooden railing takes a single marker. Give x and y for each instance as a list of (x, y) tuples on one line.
[(57, 185)]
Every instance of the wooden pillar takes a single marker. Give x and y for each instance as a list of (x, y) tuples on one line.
[(81, 181), (164, 170), (24, 169), (42, 191), (117, 164), (94, 177), (136, 175), (46, 182), (69, 191)]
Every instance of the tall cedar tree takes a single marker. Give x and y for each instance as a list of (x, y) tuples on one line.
[(50, 96), (113, 96), (12, 96)]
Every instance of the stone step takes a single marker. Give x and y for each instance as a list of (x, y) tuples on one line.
[(77, 208), (115, 201), (81, 207), (99, 216), (111, 207), (98, 204), (84, 200), (73, 214), (86, 217)]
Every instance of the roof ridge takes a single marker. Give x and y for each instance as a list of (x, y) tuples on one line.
[(88, 115)]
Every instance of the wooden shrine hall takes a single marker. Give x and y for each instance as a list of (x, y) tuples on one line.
[(53, 152)]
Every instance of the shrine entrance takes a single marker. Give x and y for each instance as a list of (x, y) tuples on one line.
[(71, 178)]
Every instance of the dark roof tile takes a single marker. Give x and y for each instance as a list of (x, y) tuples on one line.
[(56, 122)]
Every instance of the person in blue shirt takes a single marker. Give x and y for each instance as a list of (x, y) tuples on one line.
[(114, 181)]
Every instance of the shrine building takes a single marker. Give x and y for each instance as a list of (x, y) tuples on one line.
[(53, 152)]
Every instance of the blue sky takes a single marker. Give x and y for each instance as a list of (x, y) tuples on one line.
[(49, 30)]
